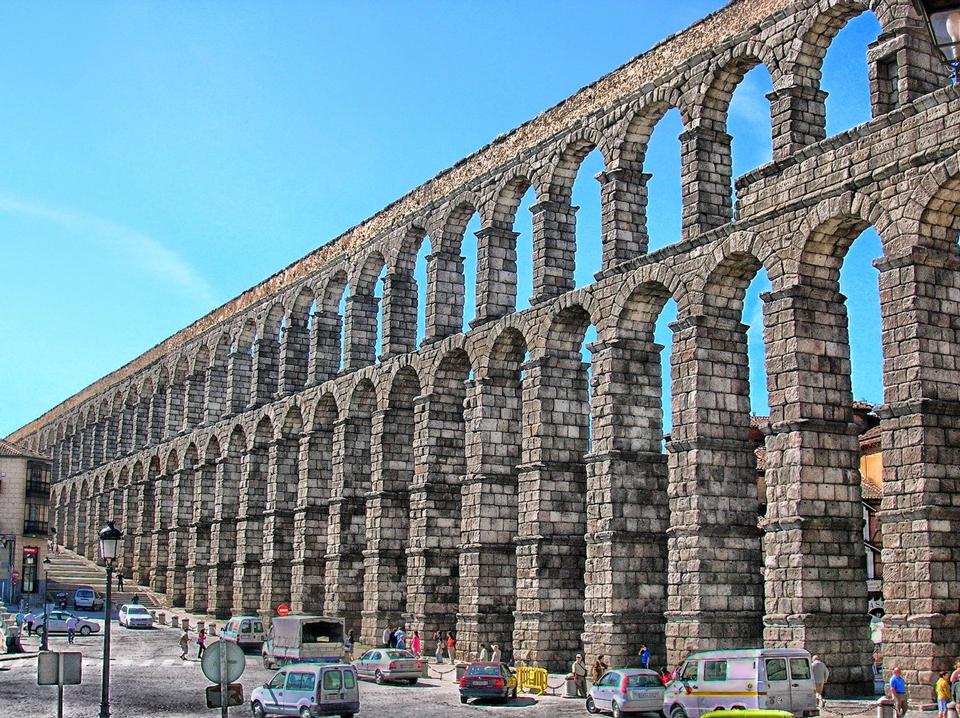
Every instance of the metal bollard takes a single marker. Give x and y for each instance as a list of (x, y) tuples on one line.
[(212, 629), (884, 707), (185, 622), (174, 621), (162, 618)]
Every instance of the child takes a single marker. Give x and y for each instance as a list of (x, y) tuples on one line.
[(943, 695)]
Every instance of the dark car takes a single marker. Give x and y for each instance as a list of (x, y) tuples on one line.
[(488, 680)]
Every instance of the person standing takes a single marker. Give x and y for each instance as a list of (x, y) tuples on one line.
[(644, 656), (495, 653), (119, 579), (387, 637), (599, 667), (821, 674), (943, 694), (451, 647), (484, 654), (416, 644), (348, 645), (400, 638), (898, 691), (184, 644), (201, 642), (438, 639), (71, 628), (579, 671)]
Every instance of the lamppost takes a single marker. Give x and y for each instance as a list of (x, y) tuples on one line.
[(44, 646), (943, 23), (110, 538)]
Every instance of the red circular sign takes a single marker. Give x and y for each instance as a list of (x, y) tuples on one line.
[(283, 610)]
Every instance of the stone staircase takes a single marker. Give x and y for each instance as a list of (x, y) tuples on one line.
[(69, 571)]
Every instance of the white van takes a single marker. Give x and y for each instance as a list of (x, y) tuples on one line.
[(756, 678), (246, 631), (308, 689)]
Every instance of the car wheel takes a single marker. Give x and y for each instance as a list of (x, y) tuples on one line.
[(591, 706), (378, 677), (305, 712), (463, 699), (678, 712), (615, 709), (85, 630), (513, 694), (267, 663), (412, 681), (258, 710)]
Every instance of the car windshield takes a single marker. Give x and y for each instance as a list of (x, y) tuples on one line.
[(643, 680), (138, 610), (483, 670), (84, 592), (400, 654)]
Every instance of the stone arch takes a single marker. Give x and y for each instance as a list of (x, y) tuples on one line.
[(932, 214), (563, 169)]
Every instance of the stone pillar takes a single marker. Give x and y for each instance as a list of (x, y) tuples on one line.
[(145, 515), (554, 249), (174, 417), (433, 584), (487, 554), (196, 390), (496, 273), (215, 401), (552, 518), (310, 522), (399, 314), (141, 424), (283, 476), (623, 203), (715, 592), (799, 116), (180, 535), (110, 438), (238, 381), (294, 348), (902, 67), (444, 296), (86, 448), (814, 566), (266, 377), (920, 519), (385, 560), (199, 554), (125, 432), (157, 421), (247, 586), (706, 174), (324, 347), (162, 523), (626, 497), (223, 537), (91, 544), (128, 518), (360, 347)]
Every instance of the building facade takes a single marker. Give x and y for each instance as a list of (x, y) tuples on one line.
[(476, 482), (24, 525)]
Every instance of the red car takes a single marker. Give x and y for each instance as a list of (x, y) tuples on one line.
[(488, 680)]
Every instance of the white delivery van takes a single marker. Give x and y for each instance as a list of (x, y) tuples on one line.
[(756, 678), (308, 689), (246, 631), (301, 639)]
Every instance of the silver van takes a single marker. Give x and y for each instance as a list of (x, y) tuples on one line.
[(308, 690), (754, 678)]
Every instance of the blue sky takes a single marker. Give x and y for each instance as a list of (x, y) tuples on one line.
[(156, 159)]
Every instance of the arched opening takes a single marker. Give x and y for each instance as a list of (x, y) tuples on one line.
[(241, 366), (379, 292), (364, 314), (200, 552), (295, 342), (422, 251), (223, 531), (266, 358), (216, 400), (585, 200), (844, 72), (748, 120), (656, 137), (254, 470), (451, 301)]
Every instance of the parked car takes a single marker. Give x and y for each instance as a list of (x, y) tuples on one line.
[(133, 615), (308, 689), (488, 680), (87, 599), (57, 622), (753, 678), (626, 690), (389, 664), (246, 631)]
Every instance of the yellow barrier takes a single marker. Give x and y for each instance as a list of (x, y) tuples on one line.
[(532, 679)]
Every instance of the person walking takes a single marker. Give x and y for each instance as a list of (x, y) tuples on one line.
[(821, 674), (438, 639), (184, 644), (942, 689), (400, 638), (955, 686), (416, 644), (119, 579), (28, 621), (644, 656), (898, 691), (598, 668), (72, 623), (348, 645), (579, 671), (201, 642), (495, 653), (451, 647)]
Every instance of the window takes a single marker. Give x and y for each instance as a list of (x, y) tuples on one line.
[(643, 680), (689, 672), (277, 681), (610, 679), (373, 656), (301, 682), (258, 627), (348, 680), (245, 627), (28, 580), (715, 671), (799, 669), (776, 669), (331, 681)]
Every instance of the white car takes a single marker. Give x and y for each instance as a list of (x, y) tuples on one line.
[(57, 621), (133, 615)]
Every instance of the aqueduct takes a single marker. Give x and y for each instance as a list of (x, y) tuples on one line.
[(461, 483)]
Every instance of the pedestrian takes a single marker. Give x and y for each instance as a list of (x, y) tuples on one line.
[(71, 628), (400, 638), (955, 687), (184, 644), (943, 694), (644, 656), (348, 645), (201, 643), (484, 654), (119, 579), (821, 674), (451, 647), (955, 676), (438, 639), (598, 668), (387, 637), (579, 671), (898, 691), (28, 621), (416, 644), (495, 654)]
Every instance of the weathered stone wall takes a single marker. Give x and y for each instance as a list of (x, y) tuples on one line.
[(457, 485)]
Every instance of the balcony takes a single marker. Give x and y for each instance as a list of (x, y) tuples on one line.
[(38, 488), (35, 528)]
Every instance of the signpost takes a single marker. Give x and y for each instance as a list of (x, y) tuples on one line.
[(59, 669), (223, 662)]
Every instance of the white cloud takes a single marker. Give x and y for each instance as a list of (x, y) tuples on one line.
[(138, 250)]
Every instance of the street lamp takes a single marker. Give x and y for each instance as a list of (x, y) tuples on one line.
[(44, 646), (110, 538), (943, 23)]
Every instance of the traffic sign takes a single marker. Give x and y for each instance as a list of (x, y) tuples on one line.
[(234, 695), (234, 662), (52, 671), (283, 610)]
